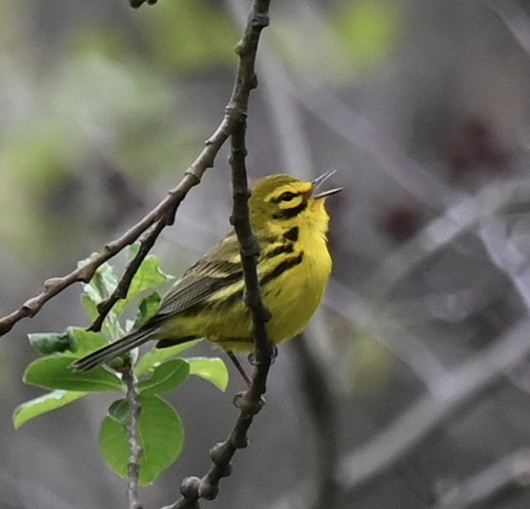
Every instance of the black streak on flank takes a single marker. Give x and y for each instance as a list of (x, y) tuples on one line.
[(291, 234), (284, 248), (292, 212), (287, 264)]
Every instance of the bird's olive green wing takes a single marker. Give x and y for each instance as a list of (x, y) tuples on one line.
[(218, 269)]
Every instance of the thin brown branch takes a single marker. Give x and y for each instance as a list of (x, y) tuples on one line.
[(135, 450), (146, 243), (245, 82), (249, 402), (249, 249), (456, 390), (321, 491)]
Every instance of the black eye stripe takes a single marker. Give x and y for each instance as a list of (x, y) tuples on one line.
[(290, 212), (285, 196)]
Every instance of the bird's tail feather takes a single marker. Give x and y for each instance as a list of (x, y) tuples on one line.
[(113, 350)]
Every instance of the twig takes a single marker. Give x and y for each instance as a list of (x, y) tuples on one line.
[(249, 402), (146, 243), (295, 153), (284, 113), (249, 247), (502, 479), (456, 390), (135, 450), (249, 251)]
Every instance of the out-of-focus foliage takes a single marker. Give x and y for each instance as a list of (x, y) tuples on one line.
[(354, 40), (73, 122), (191, 36), (368, 31)]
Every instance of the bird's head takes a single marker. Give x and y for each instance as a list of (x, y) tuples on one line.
[(281, 201)]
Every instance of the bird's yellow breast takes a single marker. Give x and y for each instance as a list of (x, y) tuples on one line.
[(297, 293)]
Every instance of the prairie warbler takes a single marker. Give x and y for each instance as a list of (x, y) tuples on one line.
[(290, 221)]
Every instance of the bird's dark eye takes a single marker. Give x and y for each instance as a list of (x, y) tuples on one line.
[(287, 196)]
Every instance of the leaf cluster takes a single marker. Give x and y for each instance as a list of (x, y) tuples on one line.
[(160, 428)]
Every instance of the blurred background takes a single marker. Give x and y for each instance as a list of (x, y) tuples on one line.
[(411, 387)]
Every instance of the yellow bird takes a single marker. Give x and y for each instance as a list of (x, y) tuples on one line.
[(289, 218)]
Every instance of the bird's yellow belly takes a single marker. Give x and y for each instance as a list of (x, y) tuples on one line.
[(297, 294)]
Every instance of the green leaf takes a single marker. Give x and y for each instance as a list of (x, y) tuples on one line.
[(212, 369), (147, 309), (90, 307), (132, 250), (43, 404), (102, 284), (160, 355), (111, 327), (119, 411), (96, 291), (165, 377), (52, 342), (86, 341), (148, 276), (54, 372), (161, 437)]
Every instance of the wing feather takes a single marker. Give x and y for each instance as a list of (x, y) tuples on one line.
[(209, 274)]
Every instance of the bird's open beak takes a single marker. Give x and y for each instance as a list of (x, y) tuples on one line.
[(319, 181)]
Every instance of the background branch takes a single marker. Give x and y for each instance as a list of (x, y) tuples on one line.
[(460, 218), (324, 492), (456, 390), (493, 485)]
